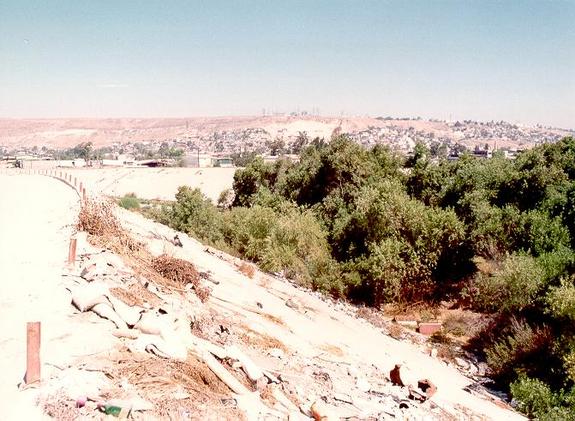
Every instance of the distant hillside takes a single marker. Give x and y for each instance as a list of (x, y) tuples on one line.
[(61, 133)]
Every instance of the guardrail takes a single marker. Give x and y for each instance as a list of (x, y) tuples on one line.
[(67, 178)]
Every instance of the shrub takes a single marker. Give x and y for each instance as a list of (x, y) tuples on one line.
[(543, 234), (383, 271), (516, 348), (226, 199), (511, 288), (461, 323), (561, 300), (247, 230), (569, 367), (129, 201), (556, 264), (534, 397), (194, 214)]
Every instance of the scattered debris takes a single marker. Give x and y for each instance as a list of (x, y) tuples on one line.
[(395, 376), (427, 387), (428, 328), (293, 304), (177, 242), (184, 360), (362, 384), (276, 353), (247, 269), (322, 412)]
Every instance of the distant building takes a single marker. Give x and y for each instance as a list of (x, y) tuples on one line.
[(223, 162), (485, 152), (202, 160), (72, 163), (121, 161)]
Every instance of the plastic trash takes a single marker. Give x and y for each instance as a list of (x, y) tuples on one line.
[(115, 410)]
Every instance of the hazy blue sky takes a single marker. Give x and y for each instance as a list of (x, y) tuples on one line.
[(511, 60)]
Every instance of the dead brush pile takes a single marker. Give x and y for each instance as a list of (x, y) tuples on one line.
[(98, 219), (247, 270), (180, 272), (177, 390)]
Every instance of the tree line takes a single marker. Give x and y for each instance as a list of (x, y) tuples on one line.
[(493, 235)]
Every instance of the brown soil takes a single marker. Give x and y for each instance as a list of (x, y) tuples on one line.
[(261, 340)]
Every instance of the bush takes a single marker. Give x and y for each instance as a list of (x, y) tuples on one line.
[(561, 300), (290, 240), (534, 397), (247, 230), (383, 271), (462, 323), (516, 348), (194, 214), (226, 199), (129, 201), (511, 288)]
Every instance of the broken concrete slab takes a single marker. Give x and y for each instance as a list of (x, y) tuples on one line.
[(429, 328)]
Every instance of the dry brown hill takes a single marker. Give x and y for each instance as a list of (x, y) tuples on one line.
[(69, 132)]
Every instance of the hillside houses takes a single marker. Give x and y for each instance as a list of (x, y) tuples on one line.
[(192, 148)]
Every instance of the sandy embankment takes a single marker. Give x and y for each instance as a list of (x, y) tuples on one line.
[(155, 183)]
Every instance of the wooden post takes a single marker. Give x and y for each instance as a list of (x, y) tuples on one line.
[(72, 252), (84, 194), (80, 187), (32, 353), (75, 181)]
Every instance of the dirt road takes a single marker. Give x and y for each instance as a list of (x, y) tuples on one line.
[(37, 216)]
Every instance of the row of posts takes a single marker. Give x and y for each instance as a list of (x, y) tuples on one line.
[(67, 178), (33, 329)]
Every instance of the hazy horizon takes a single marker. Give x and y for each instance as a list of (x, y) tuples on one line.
[(438, 60)]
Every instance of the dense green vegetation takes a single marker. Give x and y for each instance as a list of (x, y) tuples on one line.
[(494, 235), (86, 151), (129, 201)]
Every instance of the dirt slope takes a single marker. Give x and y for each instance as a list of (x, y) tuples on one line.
[(315, 328)]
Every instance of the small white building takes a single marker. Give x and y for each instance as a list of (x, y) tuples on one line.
[(72, 163)]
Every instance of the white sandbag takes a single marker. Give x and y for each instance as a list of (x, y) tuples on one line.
[(130, 314), (153, 324), (86, 296), (158, 346), (106, 311), (250, 368)]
